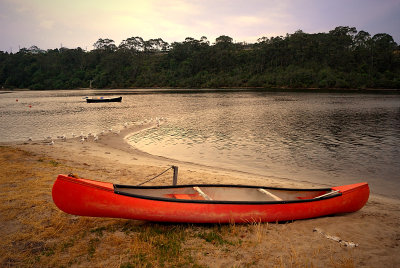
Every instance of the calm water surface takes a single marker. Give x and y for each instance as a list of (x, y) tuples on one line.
[(319, 137)]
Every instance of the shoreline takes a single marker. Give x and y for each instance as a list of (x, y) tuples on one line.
[(114, 148), (219, 89), (112, 159)]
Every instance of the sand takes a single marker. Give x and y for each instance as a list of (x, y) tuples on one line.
[(375, 228)]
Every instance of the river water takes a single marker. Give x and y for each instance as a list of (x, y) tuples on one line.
[(323, 138)]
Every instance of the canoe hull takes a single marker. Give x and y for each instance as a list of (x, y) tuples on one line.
[(97, 199), (119, 99)]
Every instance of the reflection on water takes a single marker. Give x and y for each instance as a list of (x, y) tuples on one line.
[(334, 139), (52, 113), (323, 138)]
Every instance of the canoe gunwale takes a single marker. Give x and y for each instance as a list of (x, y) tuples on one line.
[(165, 199), (218, 185)]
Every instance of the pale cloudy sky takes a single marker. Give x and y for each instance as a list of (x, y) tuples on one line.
[(80, 23)]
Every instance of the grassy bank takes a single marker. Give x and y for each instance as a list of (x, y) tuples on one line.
[(35, 233)]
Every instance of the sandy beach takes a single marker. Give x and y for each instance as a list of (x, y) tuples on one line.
[(35, 233)]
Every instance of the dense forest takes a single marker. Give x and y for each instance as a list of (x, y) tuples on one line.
[(341, 58)]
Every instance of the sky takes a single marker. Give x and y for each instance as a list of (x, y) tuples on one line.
[(50, 24)]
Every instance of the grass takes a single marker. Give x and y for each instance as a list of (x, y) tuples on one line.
[(34, 233)]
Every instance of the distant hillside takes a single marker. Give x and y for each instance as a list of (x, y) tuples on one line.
[(341, 58)]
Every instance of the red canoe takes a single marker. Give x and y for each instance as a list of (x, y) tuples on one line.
[(205, 203)]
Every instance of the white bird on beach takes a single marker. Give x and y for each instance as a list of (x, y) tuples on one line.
[(62, 137)]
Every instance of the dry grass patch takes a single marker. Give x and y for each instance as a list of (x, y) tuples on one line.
[(35, 233)]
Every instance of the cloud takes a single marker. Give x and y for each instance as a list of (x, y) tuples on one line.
[(47, 23), (248, 21), (241, 19)]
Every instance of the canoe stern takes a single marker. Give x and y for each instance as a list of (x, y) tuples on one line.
[(354, 196), (80, 197)]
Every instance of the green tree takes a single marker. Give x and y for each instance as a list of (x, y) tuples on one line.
[(105, 44)]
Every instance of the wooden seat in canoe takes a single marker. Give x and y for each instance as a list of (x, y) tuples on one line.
[(261, 190), (198, 195), (204, 195)]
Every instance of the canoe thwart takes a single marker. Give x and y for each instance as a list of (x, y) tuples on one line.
[(261, 190), (327, 194), (204, 195)]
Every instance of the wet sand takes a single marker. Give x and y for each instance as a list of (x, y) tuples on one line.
[(375, 228)]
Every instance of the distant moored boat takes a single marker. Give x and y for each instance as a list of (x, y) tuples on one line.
[(94, 100)]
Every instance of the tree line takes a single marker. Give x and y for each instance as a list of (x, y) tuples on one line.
[(341, 58)]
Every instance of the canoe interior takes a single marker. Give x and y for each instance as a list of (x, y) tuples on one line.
[(221, 193)]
